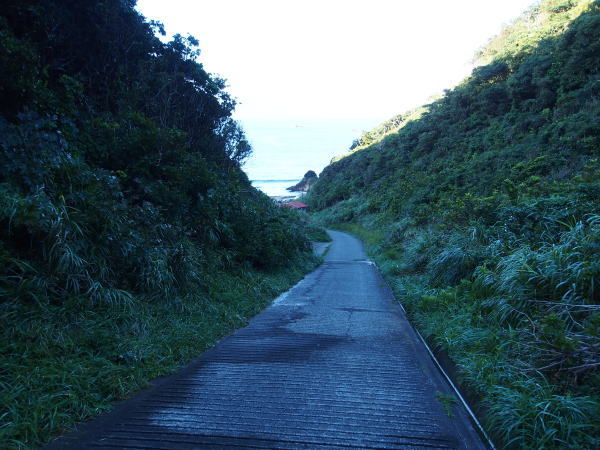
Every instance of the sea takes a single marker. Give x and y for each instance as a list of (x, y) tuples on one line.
[(284, 149), (275, 188)]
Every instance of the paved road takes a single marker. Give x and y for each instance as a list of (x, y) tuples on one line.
[(333, 363)]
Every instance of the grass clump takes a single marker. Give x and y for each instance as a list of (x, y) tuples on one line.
[(447, 401)]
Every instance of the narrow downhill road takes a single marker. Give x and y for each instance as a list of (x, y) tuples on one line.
[(333, 363)]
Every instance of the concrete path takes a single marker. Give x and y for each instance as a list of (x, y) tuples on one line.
[(333, 363)]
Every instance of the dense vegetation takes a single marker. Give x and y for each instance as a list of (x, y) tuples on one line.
[(483, 210), (131, 239)]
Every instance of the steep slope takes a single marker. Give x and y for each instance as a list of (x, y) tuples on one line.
[(483, 209), (130, 238)]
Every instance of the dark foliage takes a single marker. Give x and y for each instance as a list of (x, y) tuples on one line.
[(119, 158), (130, 237)]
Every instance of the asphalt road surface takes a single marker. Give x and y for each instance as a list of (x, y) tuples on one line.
[(333, 363)]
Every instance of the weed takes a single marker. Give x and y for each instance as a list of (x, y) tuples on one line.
[(447, 401)]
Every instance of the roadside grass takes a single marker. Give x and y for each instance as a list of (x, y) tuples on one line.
[(369, 237), (315, 231), (317, 234), (530, 360), (65, 363)]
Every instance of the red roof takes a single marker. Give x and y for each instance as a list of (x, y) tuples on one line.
[(295, 205)]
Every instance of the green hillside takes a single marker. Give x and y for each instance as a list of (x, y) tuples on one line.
[(130, 238), (483, 210)]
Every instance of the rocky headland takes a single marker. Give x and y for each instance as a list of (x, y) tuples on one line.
[(309, 179)]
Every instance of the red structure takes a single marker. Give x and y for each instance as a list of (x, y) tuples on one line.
[(295, 205)]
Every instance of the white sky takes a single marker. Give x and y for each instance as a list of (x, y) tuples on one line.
[(334, 58), (310, 75)]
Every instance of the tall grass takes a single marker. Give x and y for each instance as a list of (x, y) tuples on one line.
[(520, 321)]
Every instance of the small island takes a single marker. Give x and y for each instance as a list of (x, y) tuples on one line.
[(309, 179)]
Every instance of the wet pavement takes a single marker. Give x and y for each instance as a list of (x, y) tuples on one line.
[(333, 363)]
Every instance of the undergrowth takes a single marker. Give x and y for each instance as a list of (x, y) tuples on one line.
[(522, 326), (65, 363)]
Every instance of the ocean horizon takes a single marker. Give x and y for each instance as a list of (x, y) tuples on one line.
[(275, 188), (285, 149)]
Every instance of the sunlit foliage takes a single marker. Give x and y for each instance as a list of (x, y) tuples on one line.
[(482, 210)]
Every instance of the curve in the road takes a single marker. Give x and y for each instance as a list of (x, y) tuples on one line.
[(333, 363)]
